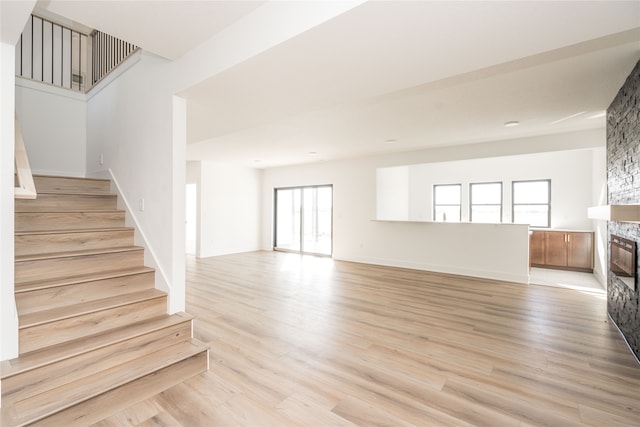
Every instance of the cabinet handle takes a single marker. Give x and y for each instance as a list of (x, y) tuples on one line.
[(568, 238)]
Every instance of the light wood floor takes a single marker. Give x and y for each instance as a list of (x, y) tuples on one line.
[(316, 342)]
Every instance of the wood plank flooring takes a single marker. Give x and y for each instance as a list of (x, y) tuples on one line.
[(317, 342)]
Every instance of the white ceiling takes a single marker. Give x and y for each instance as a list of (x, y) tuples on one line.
[(166, 28), (422, 73)]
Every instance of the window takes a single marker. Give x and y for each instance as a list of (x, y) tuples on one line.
[(486, 202), (446, 202), (532, 202)]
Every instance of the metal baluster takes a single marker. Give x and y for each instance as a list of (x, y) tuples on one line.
[(21, 56), (31, 47), (52, 55), (42, 50)]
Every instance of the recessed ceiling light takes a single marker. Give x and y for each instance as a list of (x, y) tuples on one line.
[(391, 141), (512, 123), (313, 153)]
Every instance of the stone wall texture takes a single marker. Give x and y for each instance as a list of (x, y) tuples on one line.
[(623, 184)]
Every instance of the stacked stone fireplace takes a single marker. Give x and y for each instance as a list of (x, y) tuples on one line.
[(623, 182)]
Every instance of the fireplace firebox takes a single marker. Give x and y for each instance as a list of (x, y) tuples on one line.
[(622, 260)]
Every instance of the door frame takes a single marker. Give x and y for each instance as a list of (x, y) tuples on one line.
[(275, 220)]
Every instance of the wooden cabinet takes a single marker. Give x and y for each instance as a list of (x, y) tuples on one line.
[(568, 250), (536, 248)]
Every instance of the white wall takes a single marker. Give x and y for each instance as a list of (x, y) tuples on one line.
[(392, 193), (599, 198), (138, 127), (229, 209), (9, 314), (13, 16), (570, 173), (492, 251), (54, 127)]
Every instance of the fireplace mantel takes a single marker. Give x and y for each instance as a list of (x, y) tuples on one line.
[(619, 213)]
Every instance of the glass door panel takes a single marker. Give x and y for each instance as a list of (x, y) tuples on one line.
[(304, 219), (317, 220), (288, 216)]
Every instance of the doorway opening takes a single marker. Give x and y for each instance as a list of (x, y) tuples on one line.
[(304, 219), (191, 218)]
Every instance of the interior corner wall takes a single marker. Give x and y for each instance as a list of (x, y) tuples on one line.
[(599, 198), (623, 184), (54, 128), (8, 312), (13, 16), (229, 209), (130, 125)]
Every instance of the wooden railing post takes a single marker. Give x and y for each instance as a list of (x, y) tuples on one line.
[(25, 188)]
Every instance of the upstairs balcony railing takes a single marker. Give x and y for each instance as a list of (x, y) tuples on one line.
[(65, 57), (108, 53)]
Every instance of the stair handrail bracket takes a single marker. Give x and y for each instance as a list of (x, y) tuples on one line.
[(25, 188)]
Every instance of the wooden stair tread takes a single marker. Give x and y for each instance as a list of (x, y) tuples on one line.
[(95, 410), (81, 278), (66, 312), (41, 405), (77, 193), (71, 211), (82, 366), (34, 257), (58, 352), (79, 178), (72, 230), (51, 183)]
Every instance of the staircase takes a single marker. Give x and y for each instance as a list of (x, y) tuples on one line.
[(94, 333)]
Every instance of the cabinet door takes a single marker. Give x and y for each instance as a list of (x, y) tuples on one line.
[(580, 250), (536, 248), (555, 249)]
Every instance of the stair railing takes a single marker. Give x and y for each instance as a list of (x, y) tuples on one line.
[(52, 53), (107, 53), (64, 57), (25, 187)]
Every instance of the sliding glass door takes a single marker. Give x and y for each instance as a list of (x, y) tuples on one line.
[(303, 219)]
